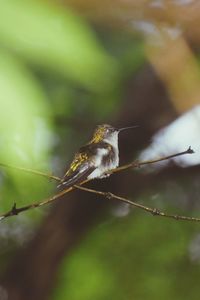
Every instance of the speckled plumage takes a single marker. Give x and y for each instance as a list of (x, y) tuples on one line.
[(94, 159)]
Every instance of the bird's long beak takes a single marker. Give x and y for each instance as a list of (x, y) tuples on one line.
[(131, 127)]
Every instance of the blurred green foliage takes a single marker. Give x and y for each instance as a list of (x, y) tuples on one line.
[(53, 68), (39, 41), (58, 40), (137, 257), (24, 127), (57, 78)]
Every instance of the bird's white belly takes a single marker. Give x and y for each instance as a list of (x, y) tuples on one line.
[(101, 169)]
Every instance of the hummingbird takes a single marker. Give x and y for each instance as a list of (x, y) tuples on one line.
[(96, 158)]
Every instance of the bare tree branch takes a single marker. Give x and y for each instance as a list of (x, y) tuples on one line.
[(136, 164), (153, 211), (15, 211), (31, 171)]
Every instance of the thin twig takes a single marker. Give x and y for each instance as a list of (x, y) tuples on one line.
[(134, 164), (15, 211), (137, 164), (153, 211), (31, 171)]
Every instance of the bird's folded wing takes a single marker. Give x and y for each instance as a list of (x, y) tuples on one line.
[(77, 176)]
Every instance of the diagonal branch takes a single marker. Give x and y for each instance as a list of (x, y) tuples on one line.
[(153, 211), (15, 211), (31, 171), (136, 164)]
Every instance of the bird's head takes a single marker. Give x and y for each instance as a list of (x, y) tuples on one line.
[(107, 132), (103, 132)]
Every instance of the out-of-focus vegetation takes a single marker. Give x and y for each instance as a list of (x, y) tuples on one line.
[(124, 259), (65, 67), (40, 41)]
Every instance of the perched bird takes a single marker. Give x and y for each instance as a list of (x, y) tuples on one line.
[(96, 158)]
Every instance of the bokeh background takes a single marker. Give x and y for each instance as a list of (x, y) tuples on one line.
[(66, 66)]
